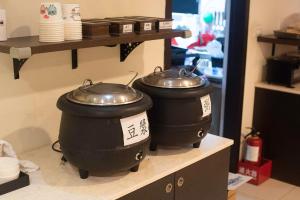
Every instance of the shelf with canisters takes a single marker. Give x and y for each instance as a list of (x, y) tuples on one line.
[(22, 48)]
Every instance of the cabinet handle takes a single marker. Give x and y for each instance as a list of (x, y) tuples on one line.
[(169, 188), (180, 182)]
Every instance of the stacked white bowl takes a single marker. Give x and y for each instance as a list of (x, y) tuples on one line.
[(51, 23), (9, 169), (72, 21)]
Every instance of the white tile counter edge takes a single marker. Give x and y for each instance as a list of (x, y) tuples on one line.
[(54, 179)]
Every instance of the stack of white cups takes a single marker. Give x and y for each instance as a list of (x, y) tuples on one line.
[(51, 23), (3, 35), (72, 22)]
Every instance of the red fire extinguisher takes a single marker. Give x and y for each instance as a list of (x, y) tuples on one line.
[(253, 153)]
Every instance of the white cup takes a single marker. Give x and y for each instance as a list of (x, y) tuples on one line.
[(3, 34), (71, 12), (50, 12)]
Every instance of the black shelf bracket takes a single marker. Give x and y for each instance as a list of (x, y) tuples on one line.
[(74, 53), (126, 49), (18, 64), (273, 49), (19, 56)]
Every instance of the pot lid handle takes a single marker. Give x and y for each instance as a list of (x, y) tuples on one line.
[(183, 72), (87, 82), (158, 69)]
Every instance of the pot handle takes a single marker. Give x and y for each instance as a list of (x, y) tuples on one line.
[(136, 75), (87, 82), (158, 68)]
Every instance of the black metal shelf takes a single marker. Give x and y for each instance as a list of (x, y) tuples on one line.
[(272, 39), (22, 48)]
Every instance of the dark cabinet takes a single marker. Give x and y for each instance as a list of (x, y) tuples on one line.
[(277, 117), (162, 189), (204, 180)]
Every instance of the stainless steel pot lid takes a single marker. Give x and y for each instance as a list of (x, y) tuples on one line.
[(104, 94), (173, 78)]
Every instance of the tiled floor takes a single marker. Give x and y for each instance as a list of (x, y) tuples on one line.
[(270, 190)]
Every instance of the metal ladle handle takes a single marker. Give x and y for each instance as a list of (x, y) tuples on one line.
[(136, 75), (184, 72)]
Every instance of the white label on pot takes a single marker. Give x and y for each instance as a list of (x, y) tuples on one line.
[(127, 28), (252, 153), (165, 25), (147, 26), (206, 105), (135, 128)]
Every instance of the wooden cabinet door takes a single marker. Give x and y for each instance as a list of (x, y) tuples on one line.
[(204, 180), (162, 189)]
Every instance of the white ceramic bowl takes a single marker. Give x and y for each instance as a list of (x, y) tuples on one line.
[(50, 12)]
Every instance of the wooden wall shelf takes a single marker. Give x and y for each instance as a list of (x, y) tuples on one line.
[(22, 48), (272, 39)]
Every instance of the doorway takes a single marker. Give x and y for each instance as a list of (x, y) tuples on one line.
[(205, 49), (218, 49)]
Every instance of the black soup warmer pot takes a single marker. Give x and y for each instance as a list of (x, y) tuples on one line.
[(181, 112), (104, 128)]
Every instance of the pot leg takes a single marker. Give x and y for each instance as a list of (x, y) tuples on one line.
[(153, 147), (135, 168), (196, 145), (84, 174)]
